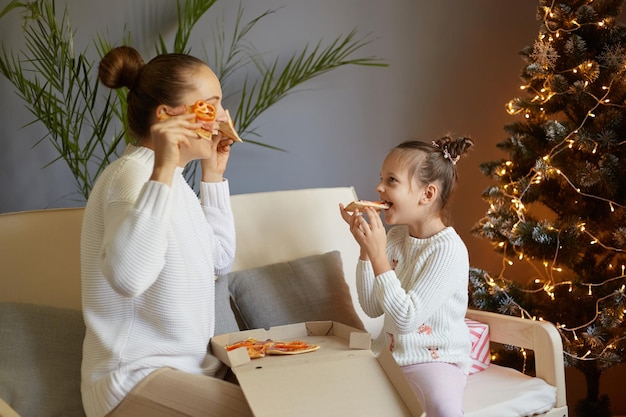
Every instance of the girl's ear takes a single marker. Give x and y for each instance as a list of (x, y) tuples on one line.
[(429, 195)]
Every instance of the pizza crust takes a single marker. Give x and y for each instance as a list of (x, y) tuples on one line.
[(361, 204), (228, 129)]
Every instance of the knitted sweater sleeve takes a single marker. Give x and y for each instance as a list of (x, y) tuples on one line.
[(135, 239), (365, 289), (215, 201)]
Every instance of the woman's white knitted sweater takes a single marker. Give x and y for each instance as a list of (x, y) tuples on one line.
[(423, 299), (149, 254)]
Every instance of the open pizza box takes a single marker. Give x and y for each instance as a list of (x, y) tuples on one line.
[(341, 378)]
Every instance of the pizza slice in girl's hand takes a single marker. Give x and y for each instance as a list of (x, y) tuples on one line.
[(361, 204)]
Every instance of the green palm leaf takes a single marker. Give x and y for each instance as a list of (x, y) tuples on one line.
[(60, 87)]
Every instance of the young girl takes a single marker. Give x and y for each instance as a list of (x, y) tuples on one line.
[(150, 250), (417, 273)]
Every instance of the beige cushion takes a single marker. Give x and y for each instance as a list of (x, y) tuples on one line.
[(511, 394)]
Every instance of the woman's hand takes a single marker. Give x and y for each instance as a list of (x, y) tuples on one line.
[(168, 138), (213, 167)]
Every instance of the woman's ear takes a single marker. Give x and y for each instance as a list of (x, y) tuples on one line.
[(160, 109)]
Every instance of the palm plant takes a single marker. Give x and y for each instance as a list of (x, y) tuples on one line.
[(59, 85)]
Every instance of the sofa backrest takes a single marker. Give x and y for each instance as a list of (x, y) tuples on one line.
[(39, 250), (39, 257)]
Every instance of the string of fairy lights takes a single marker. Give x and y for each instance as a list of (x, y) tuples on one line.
[(515, 191)]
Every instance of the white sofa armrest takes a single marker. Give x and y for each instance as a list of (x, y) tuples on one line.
[(6, 411), (541, 337)]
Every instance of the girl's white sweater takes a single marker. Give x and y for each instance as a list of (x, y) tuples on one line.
[(424, 299), (149, 255)]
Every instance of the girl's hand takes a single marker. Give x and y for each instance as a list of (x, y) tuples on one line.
[(347, 217), (168, 138), (350, 219), (369, 231), (213, 167), (371, 236)]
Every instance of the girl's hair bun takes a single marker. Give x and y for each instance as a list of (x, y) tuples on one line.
[(453, 149)]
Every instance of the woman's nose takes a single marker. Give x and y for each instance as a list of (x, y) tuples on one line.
[(220, 114)]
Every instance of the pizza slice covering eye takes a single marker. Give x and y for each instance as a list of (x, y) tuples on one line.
[(260, 348), (205, 115)]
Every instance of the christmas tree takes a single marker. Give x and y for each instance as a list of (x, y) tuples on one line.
[(559, 203)]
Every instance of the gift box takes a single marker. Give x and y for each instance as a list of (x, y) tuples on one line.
[(480, 354)]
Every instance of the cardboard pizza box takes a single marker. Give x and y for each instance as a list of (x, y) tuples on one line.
[(341, 378)]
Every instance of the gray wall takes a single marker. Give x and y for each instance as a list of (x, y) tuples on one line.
[(453, 65)]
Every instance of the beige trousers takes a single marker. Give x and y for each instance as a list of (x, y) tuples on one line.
[(170, 393)]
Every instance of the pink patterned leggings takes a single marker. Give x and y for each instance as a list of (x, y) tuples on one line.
[(439, 387)]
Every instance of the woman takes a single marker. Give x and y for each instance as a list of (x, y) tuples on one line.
[(150, 250)]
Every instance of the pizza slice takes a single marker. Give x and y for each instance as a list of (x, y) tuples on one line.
[(361, 204), (260, 348), (294, 347), (205, 115)]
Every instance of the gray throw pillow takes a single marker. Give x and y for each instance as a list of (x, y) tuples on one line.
[(40, 358), (225, 321), (305, 289)]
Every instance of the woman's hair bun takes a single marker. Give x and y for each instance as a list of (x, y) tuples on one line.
[(120, 67)]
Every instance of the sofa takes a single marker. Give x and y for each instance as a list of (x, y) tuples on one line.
[(295, 262)]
